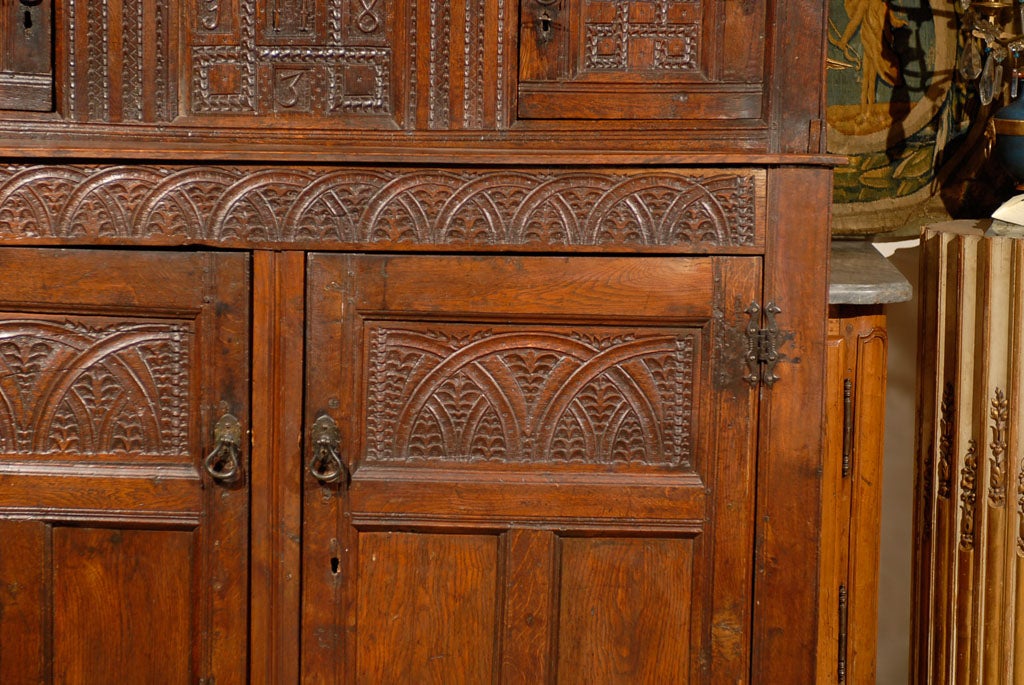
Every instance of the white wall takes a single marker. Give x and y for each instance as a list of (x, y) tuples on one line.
[(898, 478)]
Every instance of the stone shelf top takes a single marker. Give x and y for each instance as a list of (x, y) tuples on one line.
[(861, 275)]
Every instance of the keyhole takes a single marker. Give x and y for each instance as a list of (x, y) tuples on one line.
[(335, 565), (27, 21), (544, 26)]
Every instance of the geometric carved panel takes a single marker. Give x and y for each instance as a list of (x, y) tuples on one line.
[(92, 386), (301, 57), (625, 35), (358, 206), (461, 393)]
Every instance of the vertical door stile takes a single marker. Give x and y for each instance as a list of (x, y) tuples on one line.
[(277, 432)]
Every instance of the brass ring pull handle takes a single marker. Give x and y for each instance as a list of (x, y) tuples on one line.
[(325, 463), (224, 463)]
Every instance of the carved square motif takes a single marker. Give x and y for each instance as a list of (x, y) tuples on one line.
[(224, 79), (359, 83), (360, 80)]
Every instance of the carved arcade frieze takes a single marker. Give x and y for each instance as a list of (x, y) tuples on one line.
[(332, 206)]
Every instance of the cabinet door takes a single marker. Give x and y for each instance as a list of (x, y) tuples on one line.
[(123, 559), (26, 55), (641, 59), (551, 470)]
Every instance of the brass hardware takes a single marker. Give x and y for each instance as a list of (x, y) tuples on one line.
[(847, 425), (762, 344), (325, 463), (224, 463), (844, 614)]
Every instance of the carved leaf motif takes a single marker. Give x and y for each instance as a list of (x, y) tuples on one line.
[(947, 432), (1000, 415), (968, 496), (466, 395), (1020, 512), (75, 388)]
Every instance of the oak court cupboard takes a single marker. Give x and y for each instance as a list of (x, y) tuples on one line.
[(415, 341)]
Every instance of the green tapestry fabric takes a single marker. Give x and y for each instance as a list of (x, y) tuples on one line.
[(891, 102)]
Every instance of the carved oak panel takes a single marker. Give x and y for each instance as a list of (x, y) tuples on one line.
[(90, 386), (457, 393), (641, 36), (355, 206), (119, 57), (303, 57), (641, 59)]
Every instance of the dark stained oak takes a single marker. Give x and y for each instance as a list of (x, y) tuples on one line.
[(117, 365), (121, 605), (429, 614), (513, 404), (625, 610), (480, 282)]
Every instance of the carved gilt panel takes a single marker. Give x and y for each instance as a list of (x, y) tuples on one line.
[(464, 394), (93, 386)]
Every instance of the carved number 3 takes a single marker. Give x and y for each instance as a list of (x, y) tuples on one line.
[(288, 92)]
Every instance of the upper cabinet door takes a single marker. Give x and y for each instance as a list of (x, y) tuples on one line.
[(641, 59), (123, 487), (26, 55), (529, 468)]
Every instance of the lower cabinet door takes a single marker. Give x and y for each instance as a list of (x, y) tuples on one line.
[(123, 495), (528, 469)]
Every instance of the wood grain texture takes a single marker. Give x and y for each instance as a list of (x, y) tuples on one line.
[(789, 466), (147, 474), (122, 606), (851, 485), (278, 323), (427, 609), (835, 496), (550, 393), (666, 60), (447, 496), (25, 603), (348, 207), (530, 618), (625, 610), (266, 76), (970, 484), (866, 472)]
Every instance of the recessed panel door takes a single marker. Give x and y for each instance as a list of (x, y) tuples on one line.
[(123, 477), (526, 469)]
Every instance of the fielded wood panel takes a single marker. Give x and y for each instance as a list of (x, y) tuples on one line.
[(526, 422), (116, 366)]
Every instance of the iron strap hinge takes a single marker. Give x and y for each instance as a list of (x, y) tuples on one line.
[(762, 344), (844, 618)]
